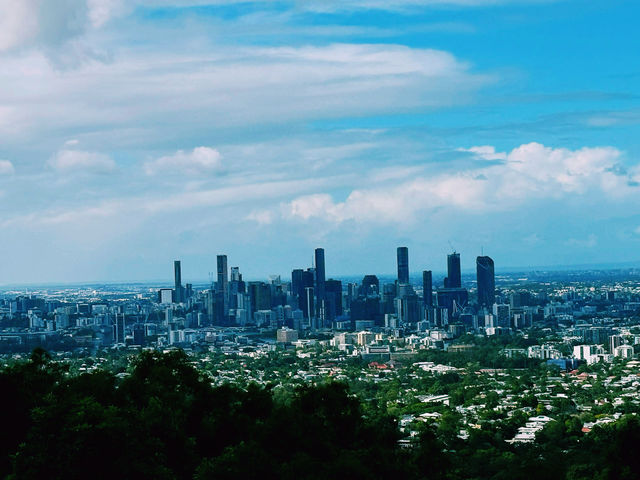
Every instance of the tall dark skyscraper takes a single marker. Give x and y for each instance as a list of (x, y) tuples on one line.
[(320, 274), (333, 300), (403, 265), (260, 295), (454, 277), (370, 286), (300, 281), (320, 289), (177, 274), (486, 281), (427, 288), (223, 280), (297, 286)]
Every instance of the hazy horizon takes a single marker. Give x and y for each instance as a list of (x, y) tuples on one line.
[(415, 275)]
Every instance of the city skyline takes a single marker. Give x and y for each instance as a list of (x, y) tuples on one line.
[(439, 271), (136, 132)]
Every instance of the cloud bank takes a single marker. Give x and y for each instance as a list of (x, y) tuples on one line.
[(529, 172)]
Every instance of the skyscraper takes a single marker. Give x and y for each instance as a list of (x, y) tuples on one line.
[(300, 280), (236, 287), (236, 276), (427, 288), (320, 274), (333, 300), (502, 315), (223, 281), (403, 265), (297, 286), (308, 307), (320, 288), (177, 273), (370, 286), (486, 281), (454, 277)]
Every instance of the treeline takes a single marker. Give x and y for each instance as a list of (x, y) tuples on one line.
[(166, 421)]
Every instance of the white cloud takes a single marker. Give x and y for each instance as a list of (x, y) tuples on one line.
[(49, 24), (531, 171), (536, 170), (76, 161), (156, 96), (487, 152), (6, 167), (101, 11), (31, 22), (397, 204), (200, 160), (262, 217)]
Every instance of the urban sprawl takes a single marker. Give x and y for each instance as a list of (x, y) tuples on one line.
[(514, 351)]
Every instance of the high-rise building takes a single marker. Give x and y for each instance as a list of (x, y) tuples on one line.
[(300, 280), (453, 299), (370, 286), (366, 308), (486, 281), (260, 294), (403, 265), (320, 273), (177, 273), (333, 300), (407, 306), (320, 284), (454, 277), (389, 292), (236, 276), (165, 295), (223, 280), (138, 334), (297, 286), (427, 288), (236, 287), (215, 308), (502, 315), (308, 306)]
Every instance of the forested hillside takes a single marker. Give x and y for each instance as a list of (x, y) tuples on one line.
[(166, 421)]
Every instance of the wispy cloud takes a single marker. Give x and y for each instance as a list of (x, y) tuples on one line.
[(486, 152), (200, 160), (78, 161), (609, 119), (159, 97)]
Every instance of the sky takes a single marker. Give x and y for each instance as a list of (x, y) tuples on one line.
[(137, 132)]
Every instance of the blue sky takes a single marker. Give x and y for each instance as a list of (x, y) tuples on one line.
[(136, 132)]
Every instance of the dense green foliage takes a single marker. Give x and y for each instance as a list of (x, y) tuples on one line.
[(165, 420)]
